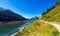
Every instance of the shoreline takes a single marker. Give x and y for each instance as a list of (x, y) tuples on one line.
[(12, 22), (15, 31), (20, 29)]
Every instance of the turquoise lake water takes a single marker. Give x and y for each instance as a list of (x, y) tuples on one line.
[(16, 29)]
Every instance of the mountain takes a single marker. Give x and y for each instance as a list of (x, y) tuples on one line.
[(53, 15), (34, 18), (8, 15)]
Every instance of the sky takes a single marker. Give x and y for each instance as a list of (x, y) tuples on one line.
[(27, 8)]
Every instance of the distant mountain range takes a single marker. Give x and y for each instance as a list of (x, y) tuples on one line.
[(8, 15), (34, 18)]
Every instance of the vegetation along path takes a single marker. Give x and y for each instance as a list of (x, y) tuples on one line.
[(56, 25), (53, 23)]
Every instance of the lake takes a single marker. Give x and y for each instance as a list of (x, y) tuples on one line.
[(10, 29)]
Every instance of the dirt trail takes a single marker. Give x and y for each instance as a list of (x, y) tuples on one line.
[(54, 24)]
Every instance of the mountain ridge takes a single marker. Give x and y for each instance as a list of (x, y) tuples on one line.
[(8, 15)]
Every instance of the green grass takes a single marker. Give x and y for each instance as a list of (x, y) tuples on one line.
[(38, 28), (53, 15)]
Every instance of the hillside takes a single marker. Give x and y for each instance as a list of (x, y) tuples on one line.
[(53, 14), (58, 2), (38, 28), (8, 15)]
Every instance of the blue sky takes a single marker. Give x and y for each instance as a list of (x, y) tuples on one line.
[(27, 8)]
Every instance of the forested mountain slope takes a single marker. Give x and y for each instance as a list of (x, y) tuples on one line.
[(8, 15)]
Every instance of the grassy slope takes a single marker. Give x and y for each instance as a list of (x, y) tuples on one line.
[(38, 28), (53, 15)]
